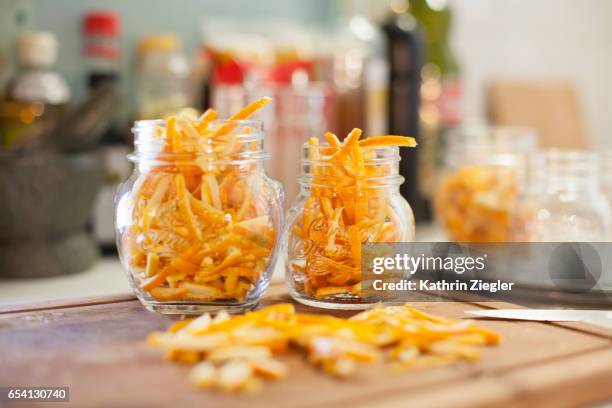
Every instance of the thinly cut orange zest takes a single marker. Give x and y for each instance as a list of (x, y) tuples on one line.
[(388, 140), (408, 337), (242, 114), (251, 108), (332, 139), (467, 217), (205, 119), (351, 139), (347, 205), (201, 228)]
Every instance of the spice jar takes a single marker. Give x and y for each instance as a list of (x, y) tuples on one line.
[(344, 201), (563, 201), (477, 192), (197, 220)]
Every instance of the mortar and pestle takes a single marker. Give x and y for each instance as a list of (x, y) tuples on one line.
[(48, 186)]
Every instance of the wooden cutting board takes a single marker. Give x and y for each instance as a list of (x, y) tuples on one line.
[(96, 347)]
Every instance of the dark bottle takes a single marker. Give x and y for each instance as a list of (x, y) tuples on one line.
[(102, 52), (405, 55), (440, 88)]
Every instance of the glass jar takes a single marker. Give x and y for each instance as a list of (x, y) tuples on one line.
[(477, 192), (563, 201), (605, 167), (197, 226), (337, 211), (164, 85)]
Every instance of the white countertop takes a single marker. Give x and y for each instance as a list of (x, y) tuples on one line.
[(106, 277)]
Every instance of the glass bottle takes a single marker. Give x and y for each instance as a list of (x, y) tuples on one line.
[(563, 201), (197, 230), (478, 188), (164, 75), (331, 219), (37, 96)]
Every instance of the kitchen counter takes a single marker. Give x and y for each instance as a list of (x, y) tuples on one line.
[(106, 277)]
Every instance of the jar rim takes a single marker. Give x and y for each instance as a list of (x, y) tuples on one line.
[(495, 139), (384, 154), (246, 143), (565, 159), (565, 166), (145, 124), (307, 180)]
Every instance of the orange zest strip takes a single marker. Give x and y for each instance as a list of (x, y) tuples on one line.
[(242, 114), (185, 207), (205, 119), (351, 139), (172, 133), (251, 108), (332, 139), (388, 140)]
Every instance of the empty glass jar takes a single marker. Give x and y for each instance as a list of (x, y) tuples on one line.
[(342, 205), (563, 200), (478, 188), (605, 167), (197, 221)]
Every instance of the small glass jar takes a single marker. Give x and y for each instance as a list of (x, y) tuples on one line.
[(334, 214), (478, 188), (197, 230), (563, 201)]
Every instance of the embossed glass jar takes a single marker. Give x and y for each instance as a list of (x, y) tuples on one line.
[(197, 221), (334, 214)]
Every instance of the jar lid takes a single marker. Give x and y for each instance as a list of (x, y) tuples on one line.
[(103, 23), (159, 42), (37, 48)]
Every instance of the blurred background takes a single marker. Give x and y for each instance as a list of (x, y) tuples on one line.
[(75, 75)]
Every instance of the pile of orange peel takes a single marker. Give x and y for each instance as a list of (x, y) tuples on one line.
[(201, 227), (348, 204), (235, 353), (476, 203)]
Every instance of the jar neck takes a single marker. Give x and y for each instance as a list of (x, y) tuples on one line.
[(489, 145), (565, 171), (222, 143), (376, 170)]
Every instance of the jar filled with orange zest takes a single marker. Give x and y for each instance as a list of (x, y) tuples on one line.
[(349, 196), (197, 221), (477, 194)]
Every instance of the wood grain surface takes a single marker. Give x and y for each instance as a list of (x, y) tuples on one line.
[(96, 347)]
